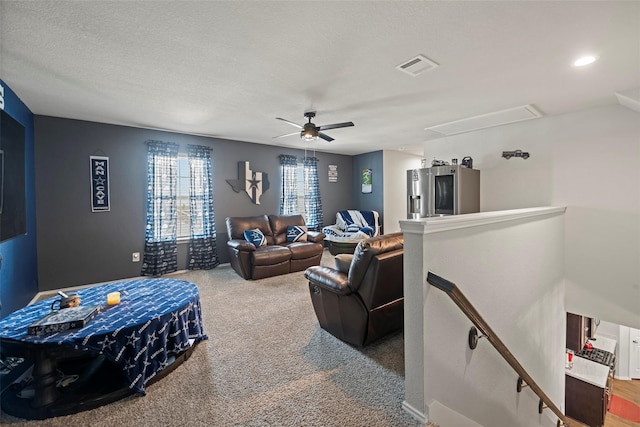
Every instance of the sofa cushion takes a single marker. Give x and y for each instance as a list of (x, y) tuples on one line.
[(270, 255), (296, 233), (256, 237), (279, 225), (304, 250), (236, 226)]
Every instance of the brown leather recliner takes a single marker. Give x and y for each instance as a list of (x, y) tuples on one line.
[(276, 257), (365, 302)]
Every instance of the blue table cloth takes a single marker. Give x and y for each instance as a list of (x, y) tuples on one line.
[(155, 320)]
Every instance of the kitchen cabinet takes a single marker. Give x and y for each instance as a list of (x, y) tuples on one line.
[(578, 331), (587, 392)]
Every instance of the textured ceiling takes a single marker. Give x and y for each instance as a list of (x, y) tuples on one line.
[(228, 69)]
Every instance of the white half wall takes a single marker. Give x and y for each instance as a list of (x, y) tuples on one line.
[(509, 265), (588, 161)]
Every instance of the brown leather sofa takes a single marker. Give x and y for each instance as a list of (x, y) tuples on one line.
[(277, 256), (362, 300)]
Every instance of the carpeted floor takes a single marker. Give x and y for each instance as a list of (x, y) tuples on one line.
[(266, 363)]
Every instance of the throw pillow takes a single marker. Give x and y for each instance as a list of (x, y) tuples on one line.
[(255, 236), (296, 233), (343, 262)]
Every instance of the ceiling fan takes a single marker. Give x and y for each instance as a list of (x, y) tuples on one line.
[(310, 131)]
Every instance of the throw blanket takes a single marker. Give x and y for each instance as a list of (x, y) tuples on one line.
[(354, 221)]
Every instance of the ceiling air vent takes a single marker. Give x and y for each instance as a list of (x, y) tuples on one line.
[(498, 118), (417, 65)]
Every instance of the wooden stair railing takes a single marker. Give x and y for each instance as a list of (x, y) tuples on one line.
[(469, 310)]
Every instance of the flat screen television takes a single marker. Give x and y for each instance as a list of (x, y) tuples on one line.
[(13, 211)]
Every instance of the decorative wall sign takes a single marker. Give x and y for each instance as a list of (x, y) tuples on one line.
[(367, 181), (333, 173), (251, 182), (99, 184)]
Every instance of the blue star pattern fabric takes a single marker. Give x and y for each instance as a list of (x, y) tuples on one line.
[(296, 233), (256, 237), (156, 320), (352, 226)]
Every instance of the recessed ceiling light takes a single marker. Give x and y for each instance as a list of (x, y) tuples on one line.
[(585, 60)]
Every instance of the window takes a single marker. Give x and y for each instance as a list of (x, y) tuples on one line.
[(186, 194), (179, 206), (182, 198), (300, 192), (198, 197), (301, 189), (160, 251), (313, 202)]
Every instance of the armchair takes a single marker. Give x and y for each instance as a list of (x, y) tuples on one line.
[(362, 300), (351, 227)]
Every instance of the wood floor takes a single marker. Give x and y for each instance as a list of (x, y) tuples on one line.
[(629, 390)]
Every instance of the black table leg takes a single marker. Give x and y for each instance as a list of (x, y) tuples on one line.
[(44, 379)]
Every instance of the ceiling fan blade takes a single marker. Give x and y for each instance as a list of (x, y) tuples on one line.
[(336, 125), (325, 136), (288, 134), (291, 123)]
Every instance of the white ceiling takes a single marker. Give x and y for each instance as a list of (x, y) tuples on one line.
[(228, 69)]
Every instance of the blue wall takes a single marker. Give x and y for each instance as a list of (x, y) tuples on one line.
[(373, 201), (18, 268)]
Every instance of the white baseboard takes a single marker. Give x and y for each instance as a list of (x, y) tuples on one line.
[(418, 415), (444, 416)]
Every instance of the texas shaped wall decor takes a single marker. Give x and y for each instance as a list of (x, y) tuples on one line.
[(251, 182)]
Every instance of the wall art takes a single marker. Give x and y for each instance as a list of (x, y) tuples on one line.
[(100, 200), (367, 181), (253, 183), (333, 173)]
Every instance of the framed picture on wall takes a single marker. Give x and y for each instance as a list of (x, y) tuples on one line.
[(366, 181), (333, 173), (99, 184)]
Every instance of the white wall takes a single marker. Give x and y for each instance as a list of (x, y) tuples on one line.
[(395, 165), (588, 161), (621, 334), (511, 272)]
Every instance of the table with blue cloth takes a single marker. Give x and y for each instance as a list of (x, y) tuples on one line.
[(152, 330)]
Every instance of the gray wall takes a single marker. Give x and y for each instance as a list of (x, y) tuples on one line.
[(77, 247), (373, 201)]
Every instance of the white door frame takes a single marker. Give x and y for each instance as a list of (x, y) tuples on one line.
[(634, 353)]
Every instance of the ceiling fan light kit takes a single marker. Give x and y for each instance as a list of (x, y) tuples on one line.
[(309, 135), (310, 131)]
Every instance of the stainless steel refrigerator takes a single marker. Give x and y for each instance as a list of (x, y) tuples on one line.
[(442, 190)]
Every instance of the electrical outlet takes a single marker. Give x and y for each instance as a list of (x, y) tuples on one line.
[(135, 257)]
